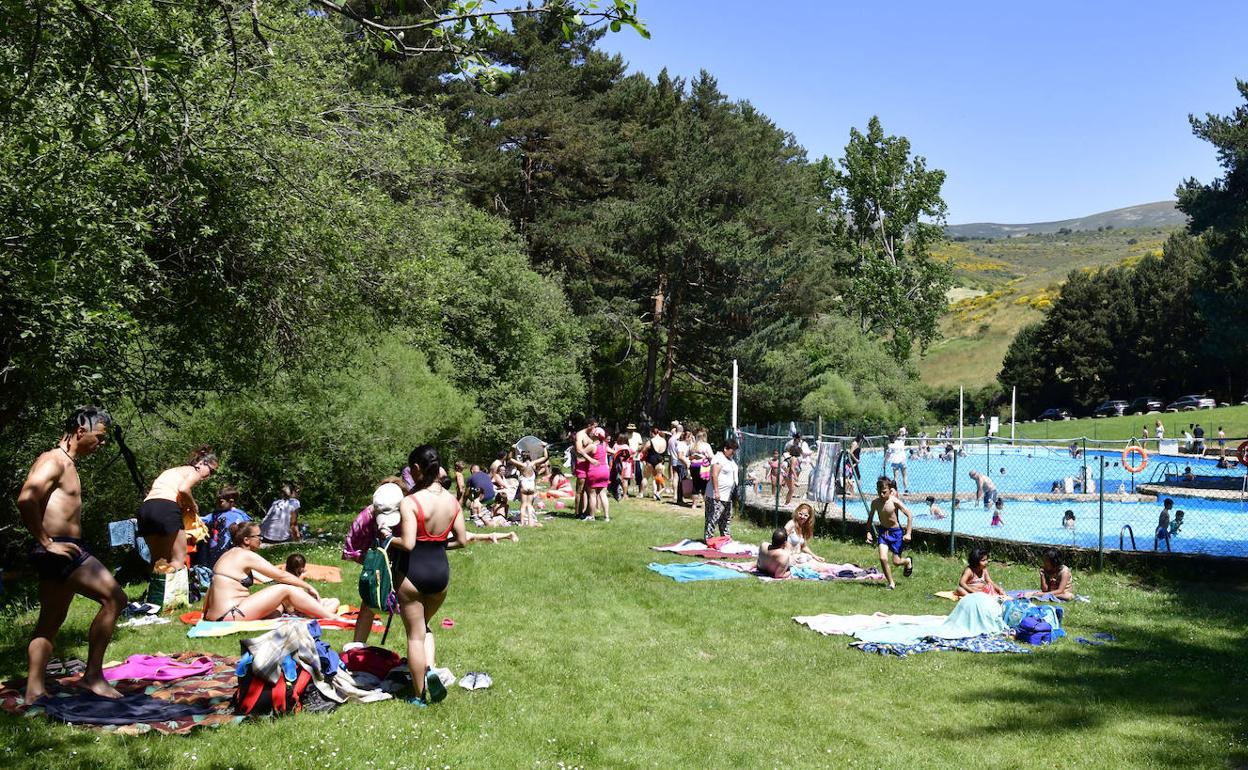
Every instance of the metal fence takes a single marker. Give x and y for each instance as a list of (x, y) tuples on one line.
[(1074, 492)]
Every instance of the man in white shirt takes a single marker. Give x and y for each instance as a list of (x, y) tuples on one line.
[(720, 489), (634, 449), (897, 462)]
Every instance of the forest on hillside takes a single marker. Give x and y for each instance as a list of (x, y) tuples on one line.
[(313, 235)]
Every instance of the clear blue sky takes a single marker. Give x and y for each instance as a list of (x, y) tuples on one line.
[(1036, 111)]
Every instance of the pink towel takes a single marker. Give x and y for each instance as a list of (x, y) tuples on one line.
[(158, 669)]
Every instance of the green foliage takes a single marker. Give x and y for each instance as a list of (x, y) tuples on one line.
[(888, 215)]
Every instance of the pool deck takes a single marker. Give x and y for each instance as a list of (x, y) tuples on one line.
[(1160, 490), (766, 500)]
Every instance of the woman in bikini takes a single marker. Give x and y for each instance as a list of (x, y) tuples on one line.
[(170, 506), (528, 469), (799, 530), (428, 517), (229, 594)]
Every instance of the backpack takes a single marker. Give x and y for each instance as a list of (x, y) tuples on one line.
[(256, 696), (376, 581), (1034, 630)]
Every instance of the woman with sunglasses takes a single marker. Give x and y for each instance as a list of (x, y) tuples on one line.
[(229, 594), (170, 505)]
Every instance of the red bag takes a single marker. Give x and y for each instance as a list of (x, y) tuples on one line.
[(255, 696)]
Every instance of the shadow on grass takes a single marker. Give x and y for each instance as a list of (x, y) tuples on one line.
[(1160, 670)]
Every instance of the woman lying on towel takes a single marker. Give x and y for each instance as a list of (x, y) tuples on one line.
[(229, 594)]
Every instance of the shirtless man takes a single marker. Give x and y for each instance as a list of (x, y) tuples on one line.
[(583, 452), (985, 489), (773, 557), (51, 507), (892, 536)]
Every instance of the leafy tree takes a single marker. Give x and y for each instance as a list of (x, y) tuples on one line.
[(888, 214)]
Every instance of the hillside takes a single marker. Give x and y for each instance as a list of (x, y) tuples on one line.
[(1004, 284), (1160, 214)]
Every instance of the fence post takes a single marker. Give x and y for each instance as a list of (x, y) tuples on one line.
[(844, 488), (953, 504), (988, 452), (775, 513), (1100, 537), (1084, 454)]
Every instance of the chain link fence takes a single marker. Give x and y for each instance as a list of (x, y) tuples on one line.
[(1071, 492)]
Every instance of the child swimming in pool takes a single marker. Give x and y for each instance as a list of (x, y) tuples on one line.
[(934, 509), (1163, 525), (1068, 519), (975, 578), (997, 521)]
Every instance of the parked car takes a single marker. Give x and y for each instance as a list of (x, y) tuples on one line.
[(1190, 404), (1055, 414), (1146, 405), (1111, 408)]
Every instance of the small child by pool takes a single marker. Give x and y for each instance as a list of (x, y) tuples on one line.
[(975, 578), (1068, 519), (1163, 525), (997, 521), (934, 509)]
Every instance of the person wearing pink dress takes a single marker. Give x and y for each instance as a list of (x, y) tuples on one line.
[(598, 477)]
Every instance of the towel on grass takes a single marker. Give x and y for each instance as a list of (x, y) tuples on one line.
[(715, 548), (1038, 597), (810, 571), (207, 697), (320, 573), (207, 628), (975, 615), (980, 644), (690, 572), (847, 625)]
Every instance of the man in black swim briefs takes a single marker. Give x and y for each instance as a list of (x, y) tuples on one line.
[(51, 506)]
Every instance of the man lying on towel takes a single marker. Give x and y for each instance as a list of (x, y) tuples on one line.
[(230, 597), (773, 557)]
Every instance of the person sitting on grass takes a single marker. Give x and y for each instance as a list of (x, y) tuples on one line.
[(773, 557), (799, 530), (296, 564), (560, 487), (892, 537), (1055, 577), (975, 578), (1163, 525), (229, 594)]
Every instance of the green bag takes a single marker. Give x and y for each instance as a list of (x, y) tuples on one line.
[(376, 582)]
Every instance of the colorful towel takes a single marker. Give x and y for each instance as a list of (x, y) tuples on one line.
[(321, 573), (979, 644), (811, 571), (208, 694), (1038, 597), (723, 548), (207, 628), (153, 668), (690, 572)]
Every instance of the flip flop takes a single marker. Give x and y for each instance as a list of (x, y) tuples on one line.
[(435, 691), (1089, 642), (448, 623), (1105, 636)]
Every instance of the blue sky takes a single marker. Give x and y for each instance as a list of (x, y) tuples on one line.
[(1037, 111)]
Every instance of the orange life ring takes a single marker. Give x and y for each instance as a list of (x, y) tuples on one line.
[(1242, 453), (1135, 450)]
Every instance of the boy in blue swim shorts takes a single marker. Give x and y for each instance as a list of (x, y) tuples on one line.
[(892, 536)]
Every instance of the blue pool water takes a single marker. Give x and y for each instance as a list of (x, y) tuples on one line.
[(1218, 527)]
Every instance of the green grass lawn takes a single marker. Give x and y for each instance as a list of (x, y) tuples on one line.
[(598, 662), (1233, 419)]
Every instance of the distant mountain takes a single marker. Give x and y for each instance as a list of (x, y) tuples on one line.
[(1160, 214)]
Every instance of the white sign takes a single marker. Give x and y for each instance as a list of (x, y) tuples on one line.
[(994, 425)]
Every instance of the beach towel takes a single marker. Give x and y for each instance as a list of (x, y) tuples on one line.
[(847, 625), (977, 644), (154, 668), (691, 572), (975, 615), (321, 573), (812, 571), (208, 628), (208, 697), (723, 548)]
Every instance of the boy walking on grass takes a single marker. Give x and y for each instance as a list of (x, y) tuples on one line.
[(892, 537)]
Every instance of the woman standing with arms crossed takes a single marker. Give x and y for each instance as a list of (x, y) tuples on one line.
[(161, 514), (428, 517)]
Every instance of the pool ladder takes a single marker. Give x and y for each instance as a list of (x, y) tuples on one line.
[(1127, 529)]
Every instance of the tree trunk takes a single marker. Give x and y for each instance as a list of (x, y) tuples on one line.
[(652, 355)]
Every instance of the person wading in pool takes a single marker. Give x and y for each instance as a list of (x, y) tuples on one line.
[(51, 506)]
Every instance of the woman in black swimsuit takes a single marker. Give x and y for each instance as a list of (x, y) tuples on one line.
[(429, 515), (230, 597)]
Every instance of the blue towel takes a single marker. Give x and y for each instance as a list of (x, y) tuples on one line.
[(688, 573), (975, 615), (806, 573), (121, 533)]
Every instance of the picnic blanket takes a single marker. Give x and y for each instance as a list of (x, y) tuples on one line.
[(207, 697), (723, 547), (689, 572), (848, 625), (201, 628), (811, 571), (988, 643), (975, 615)]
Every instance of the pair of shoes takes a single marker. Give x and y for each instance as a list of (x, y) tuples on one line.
[(909, 570), (475, 680), (417, 701)]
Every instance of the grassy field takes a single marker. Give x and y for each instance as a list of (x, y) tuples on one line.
[(1015, 279), (598, 662), (1233, 419)]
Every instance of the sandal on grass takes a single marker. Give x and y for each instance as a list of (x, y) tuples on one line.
[(435, 691)]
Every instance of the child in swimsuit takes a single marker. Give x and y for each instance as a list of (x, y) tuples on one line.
[(1055, 577), (975, 578), (892, 537), (934, 509), (997, 521)]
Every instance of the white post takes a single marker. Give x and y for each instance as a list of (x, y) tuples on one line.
[(734, 397), (960, 415), (1013, 404)]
